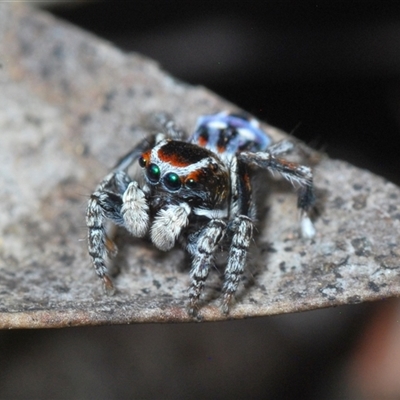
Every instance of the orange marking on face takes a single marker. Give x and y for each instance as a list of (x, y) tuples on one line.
[(146, 156), (181, 154), (174, 159), (193, 175)]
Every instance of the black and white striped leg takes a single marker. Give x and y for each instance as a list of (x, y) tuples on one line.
[(202, 246), (305, 201), (281, 147), (242, 227), (121, 201), (297, 174), (98, 242)]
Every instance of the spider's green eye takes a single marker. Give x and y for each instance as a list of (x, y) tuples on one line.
[(153, 173), (172, 181)]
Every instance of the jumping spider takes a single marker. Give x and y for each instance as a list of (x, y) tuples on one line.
[(197, 192)]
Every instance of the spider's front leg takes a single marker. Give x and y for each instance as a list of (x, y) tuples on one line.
[(117, 198), (120, 200), (293, 172), (201, 245), (242, 228)]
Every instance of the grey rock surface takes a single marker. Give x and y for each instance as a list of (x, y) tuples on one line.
[(70, 106)]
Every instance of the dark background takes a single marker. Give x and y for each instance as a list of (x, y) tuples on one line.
[(329, 71)]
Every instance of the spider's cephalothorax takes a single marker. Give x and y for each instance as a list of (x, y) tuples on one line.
[(197, 192)]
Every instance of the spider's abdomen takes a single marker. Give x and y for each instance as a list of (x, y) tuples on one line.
[(181, 170), (228, 134)]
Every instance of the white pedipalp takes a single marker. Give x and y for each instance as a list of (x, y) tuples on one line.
[(135, 210), (168, 224)]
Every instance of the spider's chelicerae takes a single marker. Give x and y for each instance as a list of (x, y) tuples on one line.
[(197, 192)]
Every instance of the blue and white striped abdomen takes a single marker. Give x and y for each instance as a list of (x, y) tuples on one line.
[(227, 134)]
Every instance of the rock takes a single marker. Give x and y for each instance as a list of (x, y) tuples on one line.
[(70, 106)]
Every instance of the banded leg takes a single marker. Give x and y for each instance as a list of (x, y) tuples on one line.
[(98, 242), (294, 173), (132, 156), (120, 200), (281, 147), (242, 227), (202, 246)]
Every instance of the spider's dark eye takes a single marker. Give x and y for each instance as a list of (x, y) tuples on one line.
[(142, 162), (172, 181), (191, 183), (153, 173)]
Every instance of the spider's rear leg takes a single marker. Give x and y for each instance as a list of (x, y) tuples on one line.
[(296, 174), (201, 245), (305, 201), (242, 227), (281, 147)]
